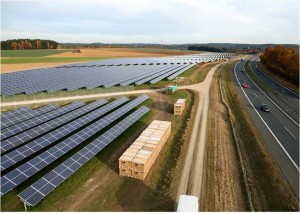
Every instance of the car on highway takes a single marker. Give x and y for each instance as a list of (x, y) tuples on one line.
[(265, 107), (245, 85)]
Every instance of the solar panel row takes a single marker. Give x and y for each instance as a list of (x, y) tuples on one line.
[(17, 119), (89, 75), (31, 167), (16, 112), (38, 144), (20, 127), (41, 188), (36, 131)]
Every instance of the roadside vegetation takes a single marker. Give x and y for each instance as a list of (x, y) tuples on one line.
[(265, 187), (263, 86), (283, 62), (222, 161), (97, 186), (278, 78)]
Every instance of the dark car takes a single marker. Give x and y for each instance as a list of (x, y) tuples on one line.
[(265, 107)]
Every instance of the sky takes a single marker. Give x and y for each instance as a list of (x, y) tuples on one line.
[(152, 21)]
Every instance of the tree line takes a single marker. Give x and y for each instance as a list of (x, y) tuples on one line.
[(26, 44), (205, 48), (283, 62)]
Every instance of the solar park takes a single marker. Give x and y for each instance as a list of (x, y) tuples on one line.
[(33, 139), (103, 73), (39, 153)]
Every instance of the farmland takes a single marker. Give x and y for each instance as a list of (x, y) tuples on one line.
[(30, 53)]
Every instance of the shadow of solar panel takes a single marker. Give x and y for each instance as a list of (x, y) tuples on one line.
[(49, 182)]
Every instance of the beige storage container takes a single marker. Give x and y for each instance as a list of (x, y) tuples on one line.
[(125, 172)]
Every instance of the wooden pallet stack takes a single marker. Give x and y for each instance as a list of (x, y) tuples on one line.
[(140, 156)]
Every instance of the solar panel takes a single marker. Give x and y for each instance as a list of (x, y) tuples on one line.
[(41, 188), (16, 112), (147, 79), (36, 145), (180, 72), (30, 134), (20, 127), (157, 79), (93, 74), (21, 173), (132, 80), (17, 119)]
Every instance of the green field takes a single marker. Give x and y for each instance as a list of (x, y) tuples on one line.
[(30, 53), (22, 60)]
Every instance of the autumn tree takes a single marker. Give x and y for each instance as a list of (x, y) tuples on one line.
[(14, 45), (283, 62)]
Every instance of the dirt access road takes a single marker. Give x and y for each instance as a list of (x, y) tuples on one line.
[(191, 179)]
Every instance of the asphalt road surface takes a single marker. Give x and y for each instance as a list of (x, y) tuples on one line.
[(282, 96), (279, 131)]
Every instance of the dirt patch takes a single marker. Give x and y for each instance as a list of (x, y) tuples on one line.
[(118, 52), (223, 189)]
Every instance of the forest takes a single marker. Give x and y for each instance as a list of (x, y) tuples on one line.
[(283, 62), (27, 44)]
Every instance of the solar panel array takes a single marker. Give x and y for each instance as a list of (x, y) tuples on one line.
[(16, 112), (103, 73), (19, 118), (30, 134), (20, 127), (41, 188), (34, 165), (38, 144)]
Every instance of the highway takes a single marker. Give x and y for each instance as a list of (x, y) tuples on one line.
[(282, 96), (278, 128)]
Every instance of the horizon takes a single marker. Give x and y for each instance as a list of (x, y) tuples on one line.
[(166, 21)]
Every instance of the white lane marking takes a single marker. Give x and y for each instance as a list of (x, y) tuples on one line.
[(265, 122), (271, 99), (275, 80), (289, 132), (255, 94)]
